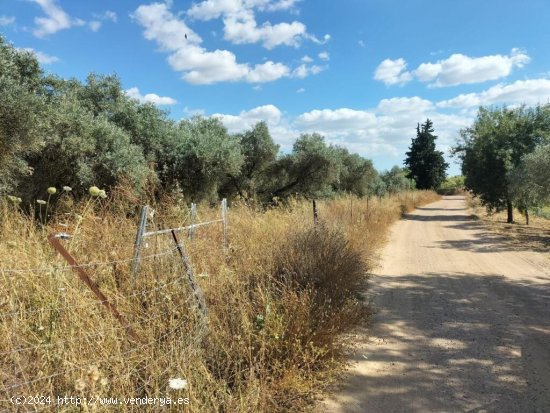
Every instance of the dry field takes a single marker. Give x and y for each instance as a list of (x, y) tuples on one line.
[(278, 299), (535, 236)]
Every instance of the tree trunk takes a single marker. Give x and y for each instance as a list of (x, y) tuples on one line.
[(526, 216), (510, 212)]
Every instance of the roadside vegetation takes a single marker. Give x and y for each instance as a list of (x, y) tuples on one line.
[(277, 299), (532, 237), (82, 157), (505, 158)]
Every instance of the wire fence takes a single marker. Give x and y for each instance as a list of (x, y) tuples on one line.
[(85, 265), (18, 376)]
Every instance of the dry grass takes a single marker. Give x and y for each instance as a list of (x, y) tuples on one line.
[(278, 300), (535, 236)]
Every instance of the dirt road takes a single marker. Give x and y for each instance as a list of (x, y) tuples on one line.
[(462, 323)]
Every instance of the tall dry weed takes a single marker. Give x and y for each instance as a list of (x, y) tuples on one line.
[(278, 299)]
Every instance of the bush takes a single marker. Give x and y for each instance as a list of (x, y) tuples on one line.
[(452, 186), (320, 262)]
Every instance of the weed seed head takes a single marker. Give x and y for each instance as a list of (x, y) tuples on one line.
[(94, 191)]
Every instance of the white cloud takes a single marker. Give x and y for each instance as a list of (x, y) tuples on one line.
[(460, 69), (163, 27), (427, 71), (339, 121), (324, 56), (6, 20), (529, 92), (301, 90), (404, 106), (241, 27), (393, 72), (213, 9), (56, 19), (361, 43), (281, 5), (247, 119), (457, 69), (110, 15), (267, 72), (94, 25), (193, 112), (307, 59), (383, 131), (149, 97), (200, 66), (43, 58), (314, 39), (304, 70)]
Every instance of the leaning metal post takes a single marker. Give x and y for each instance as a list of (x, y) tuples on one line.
[(54, 239), (190, 275), (139, 239)]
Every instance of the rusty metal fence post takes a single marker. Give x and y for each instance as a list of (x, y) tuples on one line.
[(54, 239)]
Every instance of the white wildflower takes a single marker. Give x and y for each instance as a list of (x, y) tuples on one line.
[(177, 384)]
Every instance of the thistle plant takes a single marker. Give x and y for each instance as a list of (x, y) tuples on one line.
[(51, 191), (41, 202)]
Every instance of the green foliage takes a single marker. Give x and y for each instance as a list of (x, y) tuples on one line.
[(494, 145), (396, 180), (22, 110), (426, 165), (309, 170), (259, 153), (56, 132), (452, 185), (315, 169), (355, 173), (81, 151), (530, 181), (204, 157)]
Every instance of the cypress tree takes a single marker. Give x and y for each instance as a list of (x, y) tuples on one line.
[(426, 164)]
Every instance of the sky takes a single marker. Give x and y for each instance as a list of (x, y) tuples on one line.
[(362, 73)]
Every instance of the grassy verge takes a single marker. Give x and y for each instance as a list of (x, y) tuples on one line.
[(535, 236), (278, 300)]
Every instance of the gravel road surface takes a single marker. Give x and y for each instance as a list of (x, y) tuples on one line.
[(462, 322)]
